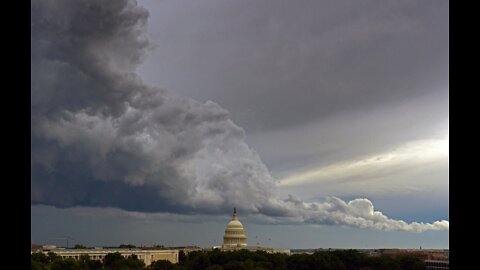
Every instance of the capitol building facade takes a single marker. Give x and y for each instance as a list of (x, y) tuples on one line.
[(235, 236)]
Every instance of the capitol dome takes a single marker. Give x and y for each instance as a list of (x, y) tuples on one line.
[(234, 233)]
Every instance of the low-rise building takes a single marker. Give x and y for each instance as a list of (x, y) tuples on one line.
[(148, 256)]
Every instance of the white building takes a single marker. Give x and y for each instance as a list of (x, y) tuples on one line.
[(235, 238), (234, 233), (148, 256)]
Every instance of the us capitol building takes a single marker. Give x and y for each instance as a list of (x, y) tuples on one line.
[(235, 238)]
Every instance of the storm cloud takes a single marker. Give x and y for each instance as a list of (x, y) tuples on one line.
[(101, 137), (278, 64)]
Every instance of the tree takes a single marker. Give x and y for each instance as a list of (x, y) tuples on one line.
[(181, 256), (161, 265), (67, 264), (279, 261), (132, 262), (94, 265), (352, 259), (233, 265), (201, 261), (410, 263), (83, 262), (36, 265), (214, 267), (386, 263), (114, 261), (52, 256), (40, 258)]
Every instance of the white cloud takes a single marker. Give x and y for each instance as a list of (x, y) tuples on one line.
[(359, 213)]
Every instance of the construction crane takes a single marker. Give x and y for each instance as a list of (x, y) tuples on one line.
[(63, 238)]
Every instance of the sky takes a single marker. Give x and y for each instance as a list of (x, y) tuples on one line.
[(325, 123)]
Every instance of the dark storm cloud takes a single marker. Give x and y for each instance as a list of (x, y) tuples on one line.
[(83, 53), (277, 64), (101, 137)]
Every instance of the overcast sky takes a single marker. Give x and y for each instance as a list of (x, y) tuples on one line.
[(324, 122)]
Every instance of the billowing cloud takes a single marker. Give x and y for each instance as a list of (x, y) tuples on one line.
[(357, 213), (100, 136), (103, 138)]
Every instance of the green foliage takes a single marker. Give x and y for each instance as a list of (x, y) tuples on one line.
[(40, 258), (234, 260), (214, 267), (114, 261), (36, 265), (94, 265), (132, 262), (233, 265), (66, 264), (410, 263), (78, 246), (201, 261), (181, 256), (53, 257), (161, 265)]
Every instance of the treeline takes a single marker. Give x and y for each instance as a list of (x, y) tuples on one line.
[(236, 260), (113, 261)]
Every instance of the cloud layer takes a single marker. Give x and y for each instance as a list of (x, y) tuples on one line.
[(358, 213), (317, 58), (101, 137)]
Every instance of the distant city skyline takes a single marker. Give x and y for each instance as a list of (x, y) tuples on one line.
[(324, 123)]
